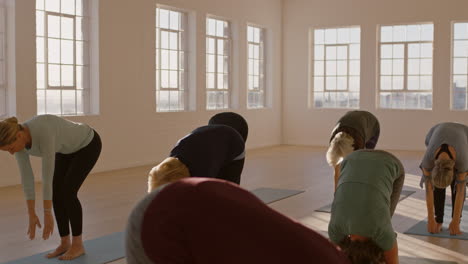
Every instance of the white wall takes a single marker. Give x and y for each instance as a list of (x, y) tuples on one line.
[(132, 132), (403, 130)]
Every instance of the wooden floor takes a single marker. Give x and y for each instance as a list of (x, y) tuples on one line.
[(108, 197)]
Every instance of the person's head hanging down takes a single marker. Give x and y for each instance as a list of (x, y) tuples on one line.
[(214, 151), (233, 120), (365, 199), (211, 221), (444, 164), (355, 130)]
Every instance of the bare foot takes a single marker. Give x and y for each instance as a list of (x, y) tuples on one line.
[(62, 248), (73, 252)]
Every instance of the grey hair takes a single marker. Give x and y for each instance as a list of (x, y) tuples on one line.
[(340, 146), (442, 173)]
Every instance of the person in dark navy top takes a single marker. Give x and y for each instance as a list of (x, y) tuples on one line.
[(233, 120), (205, 152), (232, 172)]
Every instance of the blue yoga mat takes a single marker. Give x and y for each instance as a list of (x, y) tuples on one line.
[(98, 251), (421, 227), (404, 194), (270, 195)]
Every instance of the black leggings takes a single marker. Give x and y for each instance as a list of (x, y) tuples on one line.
[(70, 172), (232, 171), (439, 201)]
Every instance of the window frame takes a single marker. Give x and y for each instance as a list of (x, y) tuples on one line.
[(452, 62), (350, 93), (228, 39), (405, 74), (262, 71), (181, 69)]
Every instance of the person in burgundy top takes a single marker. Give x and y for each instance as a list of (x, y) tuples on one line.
[(204, 220)]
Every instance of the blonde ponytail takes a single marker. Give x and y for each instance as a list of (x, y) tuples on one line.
[(340, 146)]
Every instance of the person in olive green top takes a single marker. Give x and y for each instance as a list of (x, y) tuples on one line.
[(69, 151), (355, 130), (368, 190)]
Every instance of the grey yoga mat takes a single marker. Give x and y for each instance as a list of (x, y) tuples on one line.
[(270, 195), (416, 260), (421, 227), (404, 194), (98, 251)]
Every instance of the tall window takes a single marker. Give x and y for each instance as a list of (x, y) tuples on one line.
[(3, 63), (460, 66), (218, 63), (406, 66), (171, 59), (337, 67), (256, 67), (62, 43)]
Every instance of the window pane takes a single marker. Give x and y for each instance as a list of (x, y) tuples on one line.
[(319, 36), (54, 75), (68, 102), (40, 4), (460, 48), (399, 33), (355, 51), (319, 68), (427, 33), (331, 53), (319, 53), (67, 76), (41, 102), (426, 66), (53, 26), (211, 27), (342, 53), (355, 35), (386, 34), (426, 83), (397, 83), (163, 18), (354, 68), (331, 68), (331, 83), (52, 5), (386, 67), (460, 31), (54, 51), (40, 69), (210, 46), (39, 23), (67, 52), (385, 82), (413, 32), (398, 67), (413, 67), (386, 51), (399, 51), (343, 35), (174, 20), (318, 84), (413, 82), (40, 49), (68, 7), (414, 50), (460, 66), (53, 102), (330, 36)]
